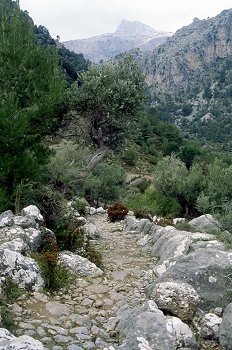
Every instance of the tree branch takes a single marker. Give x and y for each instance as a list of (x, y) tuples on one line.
[(97, 157)]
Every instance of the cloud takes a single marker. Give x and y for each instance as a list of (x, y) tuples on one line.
[(76, 19)]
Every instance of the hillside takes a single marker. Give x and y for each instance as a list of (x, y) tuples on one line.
[(127, 36), (187, 56), (189, 78)]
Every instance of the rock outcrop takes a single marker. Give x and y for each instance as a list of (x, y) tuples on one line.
[(188, 55)]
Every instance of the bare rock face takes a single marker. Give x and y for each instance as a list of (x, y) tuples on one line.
[(187, 56), (127, 36)]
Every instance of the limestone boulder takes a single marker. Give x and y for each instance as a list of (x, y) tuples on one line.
[(170, 244), (204, 223), (91, 230), (79, 265), (6, 218), (9, 342), (146, 327), (206, 270), (179, 299), (31, 236), (225, 331), (33, 212), (24, 271)]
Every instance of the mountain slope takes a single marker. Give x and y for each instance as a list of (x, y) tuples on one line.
[(187, 56), (127, 36), (190, 80)]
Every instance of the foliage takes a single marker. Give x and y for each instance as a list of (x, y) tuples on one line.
[(55, 274), (9, 294), (174, 180), (187, 109), (108, 97), (71, 62), (129, 155), (104, 184), (144, 205), (31, 89), (117, 212)]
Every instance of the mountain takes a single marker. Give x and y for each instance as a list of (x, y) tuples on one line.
[(190, 79), (127, 36), (186, 58)]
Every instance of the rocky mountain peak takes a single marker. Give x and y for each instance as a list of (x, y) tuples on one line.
[(128, 35), (134, 28)]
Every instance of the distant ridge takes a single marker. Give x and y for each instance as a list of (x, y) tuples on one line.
[(127, 36)]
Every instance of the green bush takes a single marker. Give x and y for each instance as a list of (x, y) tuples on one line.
[(9, 294), (55, 275), (129, 156)]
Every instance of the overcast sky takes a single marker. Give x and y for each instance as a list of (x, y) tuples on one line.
[(79, 19)]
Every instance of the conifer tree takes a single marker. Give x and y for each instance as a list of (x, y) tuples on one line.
[(30, 92)]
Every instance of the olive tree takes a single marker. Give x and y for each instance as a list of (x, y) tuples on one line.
[(105, 102)]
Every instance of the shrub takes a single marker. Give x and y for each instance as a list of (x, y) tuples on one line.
[(117, 212), (9, 293), (168, 220), (56, 275), (129, 156)]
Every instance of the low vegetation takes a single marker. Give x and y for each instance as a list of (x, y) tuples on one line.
[(9, 294)]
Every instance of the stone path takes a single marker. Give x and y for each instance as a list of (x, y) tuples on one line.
[(84, 317)]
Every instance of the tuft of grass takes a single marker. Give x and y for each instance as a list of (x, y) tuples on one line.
[(184, 226)]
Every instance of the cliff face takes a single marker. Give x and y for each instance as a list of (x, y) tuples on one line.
[(127, 36), (186, 57)]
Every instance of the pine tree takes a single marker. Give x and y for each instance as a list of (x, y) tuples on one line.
[(30, 92)]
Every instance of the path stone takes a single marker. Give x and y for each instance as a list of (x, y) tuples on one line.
[(87, 314)]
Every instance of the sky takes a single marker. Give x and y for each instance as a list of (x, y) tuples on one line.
[(81, 19)]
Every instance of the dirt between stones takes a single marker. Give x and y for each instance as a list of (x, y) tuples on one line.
[(92, 300)]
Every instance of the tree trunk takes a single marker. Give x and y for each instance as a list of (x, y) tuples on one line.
[(95, 160)]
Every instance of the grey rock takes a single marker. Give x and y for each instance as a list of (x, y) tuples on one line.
[(225, 331), (63, 339), (81, 320), (24, 221), (17, 245), (6, 218), (33, 212), (74, 347), (24, 271), (41, 332), (205, 223), (146, 327), (57, 309), (79, 330), (209, 326), (89, 346), (205, 270), (79, 265), (179, 299), (91, 230), (100, 210), (169, 247), (9, 342)]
